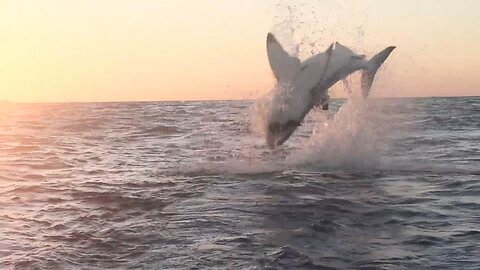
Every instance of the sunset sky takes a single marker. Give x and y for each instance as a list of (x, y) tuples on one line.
[(126, 50)]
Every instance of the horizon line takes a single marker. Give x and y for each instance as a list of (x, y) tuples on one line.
[(203, 100)]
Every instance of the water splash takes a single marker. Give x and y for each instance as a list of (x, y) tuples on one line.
[(306, 28), (351, 138), (275, 103), (355, 136)]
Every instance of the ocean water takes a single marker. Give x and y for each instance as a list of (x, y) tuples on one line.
[(382, 184)]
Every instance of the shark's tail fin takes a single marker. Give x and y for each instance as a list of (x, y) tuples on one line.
[(374, 64)]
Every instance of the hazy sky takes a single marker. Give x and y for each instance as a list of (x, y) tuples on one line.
[(119, 50)]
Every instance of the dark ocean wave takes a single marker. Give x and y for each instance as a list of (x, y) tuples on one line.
[(187, 185)]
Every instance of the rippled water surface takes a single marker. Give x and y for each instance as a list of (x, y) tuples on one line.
[(391, 184)]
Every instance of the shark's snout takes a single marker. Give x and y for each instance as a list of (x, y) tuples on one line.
[(278, 133)]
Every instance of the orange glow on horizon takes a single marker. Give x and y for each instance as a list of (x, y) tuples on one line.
[(55, 51)]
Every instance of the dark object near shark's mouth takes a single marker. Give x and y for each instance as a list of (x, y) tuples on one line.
[(279, 133)]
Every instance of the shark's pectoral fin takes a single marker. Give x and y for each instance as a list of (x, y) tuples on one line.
[(373, 65), (284, 66)]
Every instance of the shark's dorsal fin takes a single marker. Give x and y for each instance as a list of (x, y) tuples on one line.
[(321, 78), (284, 66)]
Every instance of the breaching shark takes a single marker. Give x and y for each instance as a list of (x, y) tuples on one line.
[(308, 83)]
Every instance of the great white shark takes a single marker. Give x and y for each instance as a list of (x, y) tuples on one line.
[(307, 83)]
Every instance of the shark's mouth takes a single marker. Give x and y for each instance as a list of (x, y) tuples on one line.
[(278, 133)]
